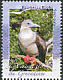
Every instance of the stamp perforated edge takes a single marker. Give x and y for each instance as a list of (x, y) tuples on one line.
[(6, 1)]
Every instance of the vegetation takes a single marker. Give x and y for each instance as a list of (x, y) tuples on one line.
[(42, 17)]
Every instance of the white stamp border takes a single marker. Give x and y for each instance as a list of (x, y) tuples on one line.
[(56, 6)]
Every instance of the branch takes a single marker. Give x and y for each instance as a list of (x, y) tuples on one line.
[(49, 41), (49, 47), (45, 66), (37, 60), (19, 12)]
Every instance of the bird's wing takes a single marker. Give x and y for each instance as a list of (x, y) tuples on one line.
[(41, 44), (40, 41)]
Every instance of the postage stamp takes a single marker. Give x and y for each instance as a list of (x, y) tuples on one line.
[(31, 37)]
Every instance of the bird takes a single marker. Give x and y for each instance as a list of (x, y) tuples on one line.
[(30, 42)]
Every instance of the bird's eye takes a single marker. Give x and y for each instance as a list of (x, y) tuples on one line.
[(28, 23)]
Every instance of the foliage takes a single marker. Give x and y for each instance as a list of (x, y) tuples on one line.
[(42, 17)]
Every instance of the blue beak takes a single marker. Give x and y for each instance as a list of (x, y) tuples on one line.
[(34, 25)]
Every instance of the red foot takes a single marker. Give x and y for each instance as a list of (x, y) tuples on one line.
[(28, 59)]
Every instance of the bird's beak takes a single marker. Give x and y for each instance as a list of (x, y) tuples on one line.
[(34, 25)]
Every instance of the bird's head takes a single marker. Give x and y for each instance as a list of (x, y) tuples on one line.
[(28, 24)]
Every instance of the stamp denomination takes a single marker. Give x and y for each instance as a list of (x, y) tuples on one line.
[(31, 39)]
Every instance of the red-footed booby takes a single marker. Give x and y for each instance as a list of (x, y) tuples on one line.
[(30, 42)]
